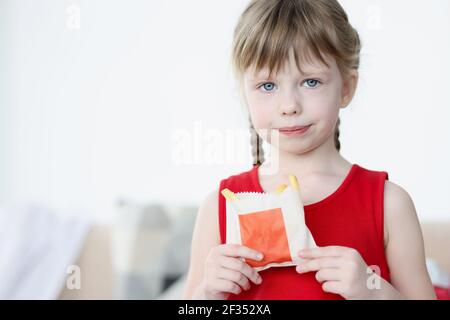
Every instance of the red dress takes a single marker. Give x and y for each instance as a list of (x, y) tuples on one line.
[(352, 216)]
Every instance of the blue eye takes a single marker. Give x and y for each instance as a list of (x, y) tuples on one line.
[(311, 83), (268, 86)]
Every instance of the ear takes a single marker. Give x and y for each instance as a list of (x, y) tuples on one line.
[(349, 88)]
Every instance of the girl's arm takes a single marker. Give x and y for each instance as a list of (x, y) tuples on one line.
[(205, 236), (341, 270), (405, 248)]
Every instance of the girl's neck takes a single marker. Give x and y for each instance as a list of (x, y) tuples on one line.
[(323, 159)]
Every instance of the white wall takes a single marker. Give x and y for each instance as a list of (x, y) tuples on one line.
[(90, 102)]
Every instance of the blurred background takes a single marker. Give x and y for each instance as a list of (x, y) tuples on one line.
[(118, 117)]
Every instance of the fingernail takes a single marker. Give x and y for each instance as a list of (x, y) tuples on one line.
[(258, 280), (259, 256)]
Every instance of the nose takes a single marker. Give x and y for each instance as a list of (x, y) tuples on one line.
[(290, 105), (290, 110)]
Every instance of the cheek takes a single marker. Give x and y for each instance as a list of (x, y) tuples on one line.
[(260, 112), (323, 108)]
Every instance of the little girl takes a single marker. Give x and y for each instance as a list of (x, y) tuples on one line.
[(297, 65)]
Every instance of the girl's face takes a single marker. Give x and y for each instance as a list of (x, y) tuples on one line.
[(291, 99)]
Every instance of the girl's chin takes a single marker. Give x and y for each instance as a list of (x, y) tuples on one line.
[(295, 147)]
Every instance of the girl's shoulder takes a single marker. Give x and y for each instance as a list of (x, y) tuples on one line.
[(243, 181), (398, 204), (399, 212), (394, 194), (370, 173)]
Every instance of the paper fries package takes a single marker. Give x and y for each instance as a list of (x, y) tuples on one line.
[(272, 223)]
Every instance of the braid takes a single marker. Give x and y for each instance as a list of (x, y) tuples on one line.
[(256, 144), (337, 144)]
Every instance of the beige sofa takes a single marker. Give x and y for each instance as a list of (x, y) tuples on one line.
[(96, 267), (437, 242)]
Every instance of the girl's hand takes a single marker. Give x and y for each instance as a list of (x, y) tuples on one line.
[(341, 270), (226, 272)]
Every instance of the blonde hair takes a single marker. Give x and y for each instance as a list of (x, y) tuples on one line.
[(268, 29)]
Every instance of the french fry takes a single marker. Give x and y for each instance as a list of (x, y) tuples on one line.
[(280, 188), (229, 195), (294, 182)]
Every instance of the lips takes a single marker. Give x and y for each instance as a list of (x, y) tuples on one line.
[(293, 129)]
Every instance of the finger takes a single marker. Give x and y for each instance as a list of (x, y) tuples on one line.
[(329, 251), (317, 264), (235, 276), (221, 285), (331, 274), (236, 250), (241, 266), (332, 287)]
